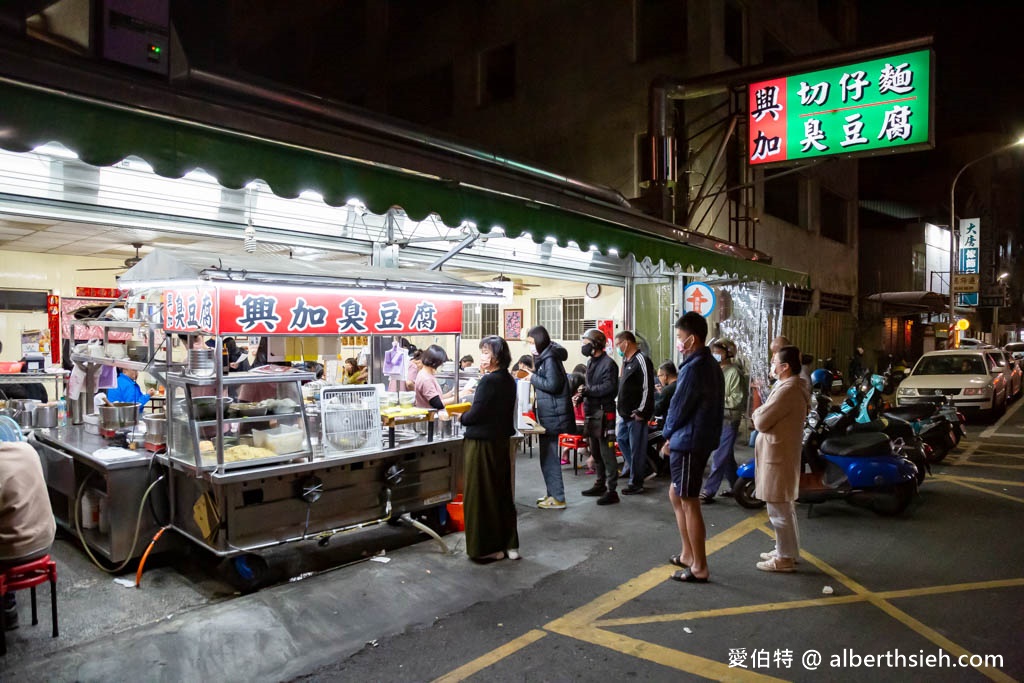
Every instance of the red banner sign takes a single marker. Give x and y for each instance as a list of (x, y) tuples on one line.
[(100, 292), (256, 311)]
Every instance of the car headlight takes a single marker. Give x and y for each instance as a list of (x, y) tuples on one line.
[(975, 391), (907, 391)]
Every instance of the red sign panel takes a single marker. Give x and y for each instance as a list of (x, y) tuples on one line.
[(255, 310), (190, 309)]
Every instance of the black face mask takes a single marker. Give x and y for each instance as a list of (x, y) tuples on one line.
[(587, 350)]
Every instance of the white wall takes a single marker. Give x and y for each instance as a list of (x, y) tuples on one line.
[(52, 273), (936, 254)]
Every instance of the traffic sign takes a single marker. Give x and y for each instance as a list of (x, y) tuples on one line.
[(700, 298)]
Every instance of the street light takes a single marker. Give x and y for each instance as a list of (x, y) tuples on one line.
[(952, 219)]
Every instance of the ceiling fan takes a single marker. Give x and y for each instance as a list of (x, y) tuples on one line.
[(128, 262), (518, 286)]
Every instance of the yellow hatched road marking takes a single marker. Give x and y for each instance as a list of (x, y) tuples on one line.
[(484, 661), (952, 588), (988, 491), (978, 480), (901, 616)]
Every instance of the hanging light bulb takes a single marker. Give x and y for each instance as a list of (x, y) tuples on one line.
[(249, 243)]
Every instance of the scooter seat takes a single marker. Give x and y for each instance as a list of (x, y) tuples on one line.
[(890, 426), (914, 411), (867, 445)]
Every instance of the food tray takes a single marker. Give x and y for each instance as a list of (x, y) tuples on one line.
[(281, 439)]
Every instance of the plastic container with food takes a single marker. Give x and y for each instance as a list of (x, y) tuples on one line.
[(280, 439)]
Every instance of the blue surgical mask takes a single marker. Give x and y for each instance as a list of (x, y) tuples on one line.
[(622, 354), (717, 357)]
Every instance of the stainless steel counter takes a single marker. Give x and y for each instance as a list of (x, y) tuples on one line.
[(79, 443)]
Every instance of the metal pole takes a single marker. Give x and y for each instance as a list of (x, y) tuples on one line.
[(952, 221)]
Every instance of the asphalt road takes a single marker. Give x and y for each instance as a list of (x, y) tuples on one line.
[(943, 580), (591, 599)]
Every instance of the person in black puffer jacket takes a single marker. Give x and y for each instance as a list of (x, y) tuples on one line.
[(554, 411)]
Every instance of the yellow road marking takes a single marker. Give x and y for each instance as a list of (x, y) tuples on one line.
[(613, 599), (1007, 414), (812, 602), (484, 661), (967, 453), (731, 611), (901, 616), (666, 656), (988, 491), (979, 480), (952, 588), (994, 465)]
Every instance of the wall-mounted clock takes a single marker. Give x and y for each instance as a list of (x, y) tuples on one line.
[(593, 290)]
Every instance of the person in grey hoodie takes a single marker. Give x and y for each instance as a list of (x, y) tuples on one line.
[(554, 411)]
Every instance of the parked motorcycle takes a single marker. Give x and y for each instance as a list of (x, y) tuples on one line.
[(938, 423), (869, 468)]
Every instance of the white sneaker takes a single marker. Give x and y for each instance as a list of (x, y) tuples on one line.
[(777, 564), (770, 555), (541, 499), (551, 503), (513, 554)]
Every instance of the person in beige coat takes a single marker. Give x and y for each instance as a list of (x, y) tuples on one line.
[(779, 423)]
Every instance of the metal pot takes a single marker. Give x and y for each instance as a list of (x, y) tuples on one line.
[(156, 425), (138, 351), (44, 416), (109, 417), (127, 413), (22, 409)]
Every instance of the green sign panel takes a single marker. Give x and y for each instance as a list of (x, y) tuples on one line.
[(867, 107)]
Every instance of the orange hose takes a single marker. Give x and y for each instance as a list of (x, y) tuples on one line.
[(142, 562)]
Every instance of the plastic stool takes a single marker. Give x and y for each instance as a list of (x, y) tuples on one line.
[(30, 575), (573, 442)]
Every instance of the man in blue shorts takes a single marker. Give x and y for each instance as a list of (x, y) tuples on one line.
[(693, 428)]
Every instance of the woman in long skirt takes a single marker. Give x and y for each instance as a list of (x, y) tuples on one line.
[(488, 508)]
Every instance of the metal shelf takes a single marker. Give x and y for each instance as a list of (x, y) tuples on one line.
[(117, 324), (125, 364), (253, 418), (242, 378)]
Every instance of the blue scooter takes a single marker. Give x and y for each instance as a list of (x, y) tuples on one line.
[(860, 469)]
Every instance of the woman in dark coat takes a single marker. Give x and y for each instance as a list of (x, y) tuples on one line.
[(554, 411), (488, 508)]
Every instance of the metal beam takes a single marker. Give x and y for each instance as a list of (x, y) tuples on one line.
[(436, 265)]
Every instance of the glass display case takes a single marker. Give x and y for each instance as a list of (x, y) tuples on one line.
[(269, 426)]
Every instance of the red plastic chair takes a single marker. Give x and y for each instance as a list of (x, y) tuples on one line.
[(573, 442), (30, 575)]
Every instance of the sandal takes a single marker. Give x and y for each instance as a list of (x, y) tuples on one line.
[(686, 576), (677, 560)]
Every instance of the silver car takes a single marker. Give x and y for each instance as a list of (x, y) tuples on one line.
[(972, 379)]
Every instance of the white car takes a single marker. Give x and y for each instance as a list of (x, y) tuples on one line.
[(1010, 366), (974, 380)]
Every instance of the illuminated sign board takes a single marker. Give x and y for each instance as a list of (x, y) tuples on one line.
[(970, 255), (864, 108)]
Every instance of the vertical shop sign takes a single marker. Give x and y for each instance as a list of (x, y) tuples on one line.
[(970, 254), (858, 108), (190, 309), (53, 324)]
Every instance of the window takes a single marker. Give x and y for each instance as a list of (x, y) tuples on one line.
[(498, 74), (479, 320), (797, 302), (660, 28), (563, 318), (782, 198), (835, 302), (572, 318), (424, 98), (734, 32), (834, 216), (919, 263)]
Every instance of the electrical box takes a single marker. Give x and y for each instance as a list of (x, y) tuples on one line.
[(136, 33)]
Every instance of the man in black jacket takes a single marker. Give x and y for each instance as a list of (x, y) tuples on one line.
[(635, 407), (598, 396)]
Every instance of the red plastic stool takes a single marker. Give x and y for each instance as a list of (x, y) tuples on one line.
[(573, 442), (30, 575)]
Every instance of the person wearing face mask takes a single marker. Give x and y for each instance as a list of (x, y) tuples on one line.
[(488, 506), (636, 407), (598, 397), (693, 428), (554, 411), (723, 459), (779, 423)]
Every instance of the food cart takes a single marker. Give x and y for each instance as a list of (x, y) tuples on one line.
[(283, 468)]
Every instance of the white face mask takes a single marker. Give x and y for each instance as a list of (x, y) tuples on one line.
[(533, 349), (717, 357)]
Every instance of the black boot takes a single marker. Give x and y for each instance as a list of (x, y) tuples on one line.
[(609, 498), (597, 489)]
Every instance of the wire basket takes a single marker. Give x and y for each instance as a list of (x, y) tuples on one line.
[(350, 420)]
